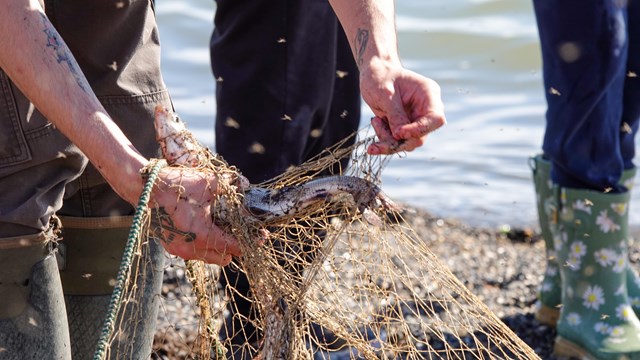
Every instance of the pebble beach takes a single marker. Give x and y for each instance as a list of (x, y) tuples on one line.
[(502, 267)]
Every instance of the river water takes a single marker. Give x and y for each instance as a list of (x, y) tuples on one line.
[(485, 56)]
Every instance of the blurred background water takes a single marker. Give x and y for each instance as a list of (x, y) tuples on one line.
[(485, 56)]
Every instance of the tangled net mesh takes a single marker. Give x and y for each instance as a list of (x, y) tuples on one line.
[(378, 288)]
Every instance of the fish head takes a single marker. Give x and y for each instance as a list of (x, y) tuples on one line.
[(256, 201), (167, 123)]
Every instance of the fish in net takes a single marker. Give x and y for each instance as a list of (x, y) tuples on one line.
[(336, 254)]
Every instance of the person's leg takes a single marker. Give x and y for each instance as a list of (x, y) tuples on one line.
[(281, 100), (629, 125), (549, 296), (631, 99), (92, 249), (118, 49), (553, 52), (96, 224), (33, 322), (36, 162), (584, 52)]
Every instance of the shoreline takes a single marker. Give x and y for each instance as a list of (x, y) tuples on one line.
[(502, 268)]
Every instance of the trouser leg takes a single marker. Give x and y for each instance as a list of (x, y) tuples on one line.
[(631, 99), (92, 253), (33, 322), (280, 110), (584, 51), (288, 103)]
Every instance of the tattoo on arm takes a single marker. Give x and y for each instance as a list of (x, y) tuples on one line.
[(362, 37), (162, 223), (63, 54)]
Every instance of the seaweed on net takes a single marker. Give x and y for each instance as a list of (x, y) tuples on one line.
[(378, 288)]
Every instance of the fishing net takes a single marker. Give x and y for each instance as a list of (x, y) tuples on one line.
[(331, 282)]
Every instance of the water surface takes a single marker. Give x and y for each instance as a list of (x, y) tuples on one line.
[(485, 56)]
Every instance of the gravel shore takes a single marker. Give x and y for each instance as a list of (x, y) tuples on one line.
[(503, 267)]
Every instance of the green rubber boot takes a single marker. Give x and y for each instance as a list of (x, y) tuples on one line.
[(33, 320), (548, 305), (91, 252), (633, 280), (549, 296), (596, 320)]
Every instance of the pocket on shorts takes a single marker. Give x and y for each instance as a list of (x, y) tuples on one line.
[(13, 143)]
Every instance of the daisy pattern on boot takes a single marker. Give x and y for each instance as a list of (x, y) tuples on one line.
[(574, 319), (574, 262), (593, 297), (605, 257), (583, 205), (617, 331), (619, 208), (602, 328), (606, 224), (624, 312), (578, 249), (620, 264), (629, 183)]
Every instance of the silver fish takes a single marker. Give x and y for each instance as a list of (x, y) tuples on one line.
[(270, 205), (273, 205)]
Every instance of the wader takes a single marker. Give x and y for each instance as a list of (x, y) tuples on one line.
[(287, 88), (43, 175)]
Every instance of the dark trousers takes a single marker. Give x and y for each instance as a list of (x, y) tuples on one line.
[(287, 88), (591, 60)]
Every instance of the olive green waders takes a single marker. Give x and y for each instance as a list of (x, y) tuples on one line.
[(91, 251), (32, 313), (33, 323)]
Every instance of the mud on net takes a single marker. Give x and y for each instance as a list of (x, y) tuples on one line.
[(329, 269)]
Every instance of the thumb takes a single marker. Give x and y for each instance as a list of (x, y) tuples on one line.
[(397, 117)]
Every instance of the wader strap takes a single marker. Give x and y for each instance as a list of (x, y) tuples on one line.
[(91, 250), (28, 241)]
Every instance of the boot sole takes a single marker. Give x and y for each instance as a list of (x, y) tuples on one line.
[(568, 349), (547, 315)]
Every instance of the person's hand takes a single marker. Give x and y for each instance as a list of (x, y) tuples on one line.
[(407, 106), (181, 205)]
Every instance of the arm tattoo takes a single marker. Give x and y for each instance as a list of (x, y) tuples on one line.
[(162, 222), (63, 54), (362, 37)]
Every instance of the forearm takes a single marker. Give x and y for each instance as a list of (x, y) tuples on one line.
[(407, 106), (370, 28), (34, 56)]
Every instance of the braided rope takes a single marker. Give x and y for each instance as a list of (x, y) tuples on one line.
[(125, 265)]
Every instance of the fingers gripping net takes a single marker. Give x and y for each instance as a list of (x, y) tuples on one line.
[(330, 282)]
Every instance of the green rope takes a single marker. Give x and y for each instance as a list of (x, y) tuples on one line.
[(125, 264)]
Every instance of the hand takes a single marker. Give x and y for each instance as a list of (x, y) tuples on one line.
[(182, 204), (407, 106)]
